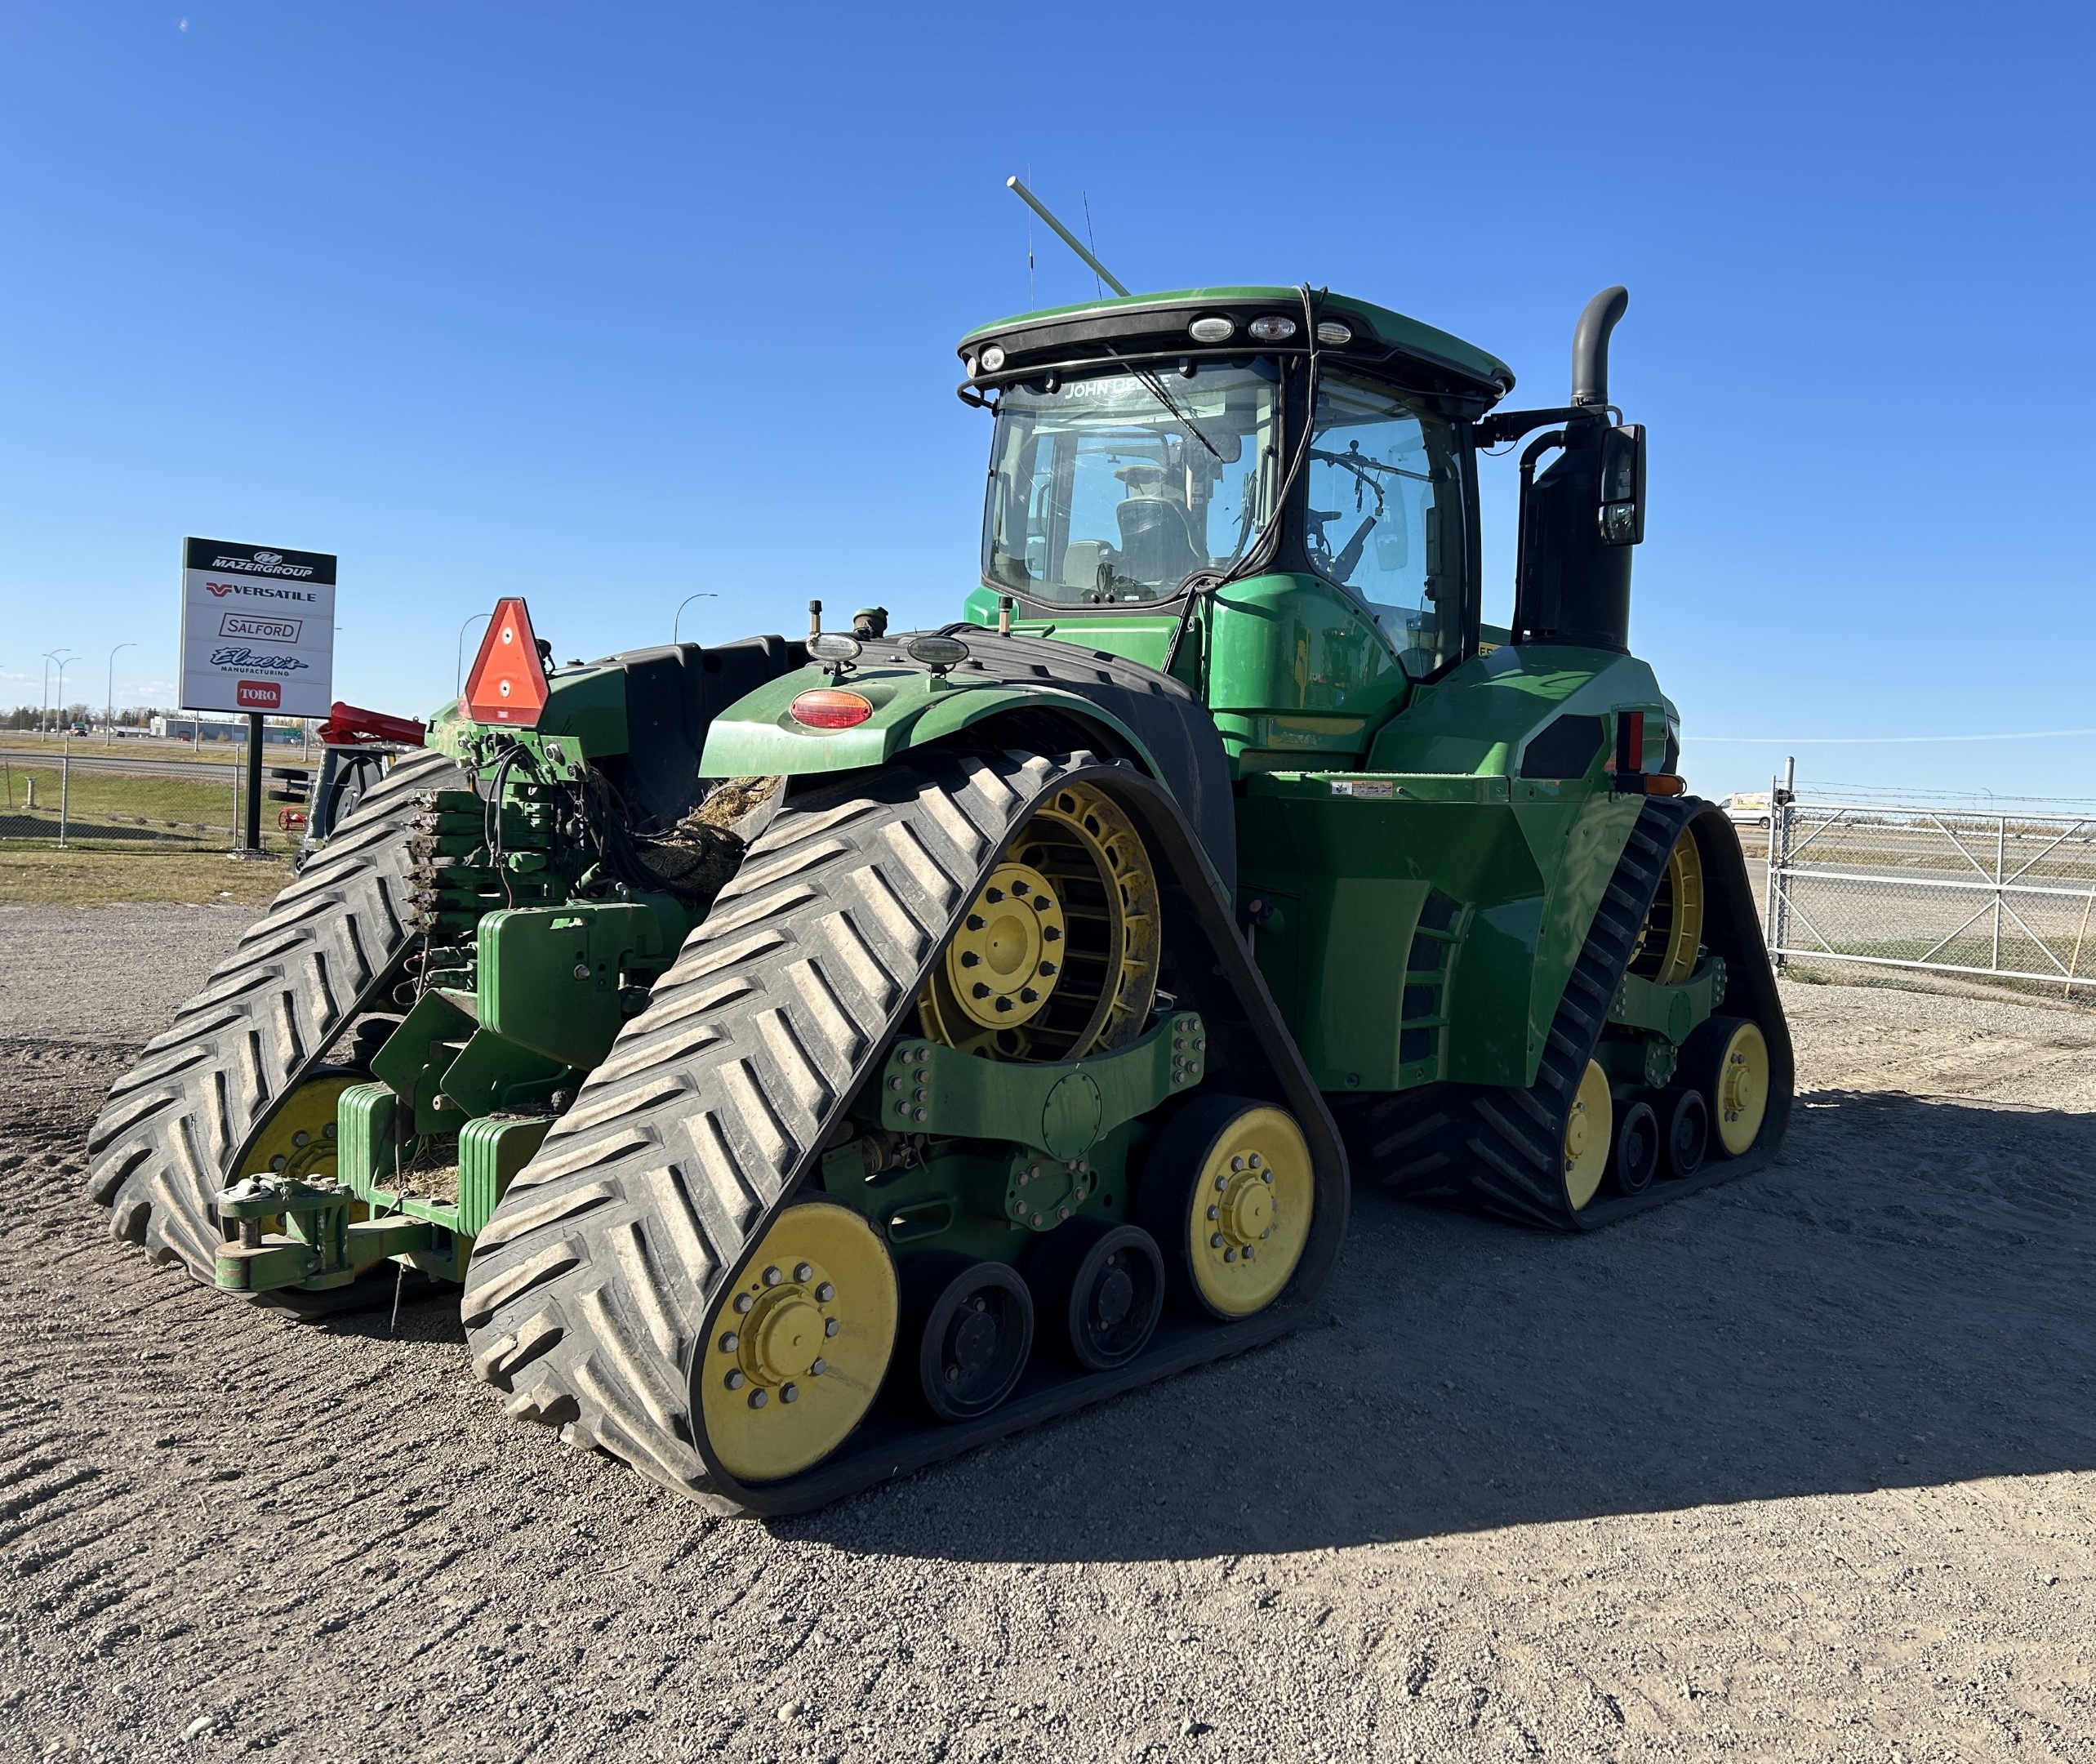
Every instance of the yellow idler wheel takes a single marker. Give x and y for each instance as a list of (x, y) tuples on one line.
[(796, 1349), (1057, 956), (1588, 1130), (1228, 1193), (1673, 929), (1736, 1075), (298, 1139)]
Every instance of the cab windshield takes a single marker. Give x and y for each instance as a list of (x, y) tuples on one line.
[(1120, 487)]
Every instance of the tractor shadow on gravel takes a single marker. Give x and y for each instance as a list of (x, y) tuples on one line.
[(1902, 1300)]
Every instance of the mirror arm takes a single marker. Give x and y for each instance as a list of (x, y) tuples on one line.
[(1509, 426)]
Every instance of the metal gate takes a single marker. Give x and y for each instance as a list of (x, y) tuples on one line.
[(2003, 896)]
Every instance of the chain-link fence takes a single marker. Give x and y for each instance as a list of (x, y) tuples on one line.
[(2006, 898), (78, 794)]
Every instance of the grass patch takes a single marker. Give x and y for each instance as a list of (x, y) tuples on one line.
[(131, 808), (101, 878)]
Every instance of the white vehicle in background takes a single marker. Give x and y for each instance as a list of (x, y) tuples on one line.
[(1747, 807)]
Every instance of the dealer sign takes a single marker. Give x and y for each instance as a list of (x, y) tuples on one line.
[(258, 629)]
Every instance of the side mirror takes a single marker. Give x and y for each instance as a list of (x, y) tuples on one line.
[(1622, 485)]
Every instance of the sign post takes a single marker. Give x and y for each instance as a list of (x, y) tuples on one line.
[(258, 636)]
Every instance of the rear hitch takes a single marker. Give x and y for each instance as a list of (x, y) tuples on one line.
[(316, 1244)]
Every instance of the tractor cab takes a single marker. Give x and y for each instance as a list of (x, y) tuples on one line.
[(1269, 491)]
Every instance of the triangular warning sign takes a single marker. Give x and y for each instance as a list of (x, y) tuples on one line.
[(508, 682)]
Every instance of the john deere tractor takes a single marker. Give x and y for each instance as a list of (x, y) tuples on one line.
[(810, 1059)]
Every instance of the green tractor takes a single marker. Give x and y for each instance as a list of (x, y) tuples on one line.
[(811, 1058)]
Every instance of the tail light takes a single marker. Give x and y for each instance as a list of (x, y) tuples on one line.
[(828, 707)]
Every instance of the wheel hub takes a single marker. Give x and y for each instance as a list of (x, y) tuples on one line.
[(1251, 1212), (972, 1342), (1741, 1089), (1576, 1134), (777, 1333), (1245, 1214), (1114, 1297), (1004, 960), (786, 1342)]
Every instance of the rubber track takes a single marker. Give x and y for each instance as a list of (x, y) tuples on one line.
[(591, 1284), (168, 1138), (1500, 1148), (588, 1289)]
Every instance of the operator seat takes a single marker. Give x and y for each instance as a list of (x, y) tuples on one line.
[(1157, 541)]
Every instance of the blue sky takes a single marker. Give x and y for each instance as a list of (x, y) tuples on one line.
[(611, 305)]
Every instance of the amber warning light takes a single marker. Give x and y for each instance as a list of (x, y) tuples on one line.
[(508, 684), (826, 707)]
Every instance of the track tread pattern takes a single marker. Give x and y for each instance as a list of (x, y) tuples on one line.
[(588, 1291), (164, 1142)]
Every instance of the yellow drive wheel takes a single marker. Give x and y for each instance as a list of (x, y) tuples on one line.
[(1228, 1193), (1057, 955), (1673, 928), (1588, 1130), (796, 1349), (1739, 1088)]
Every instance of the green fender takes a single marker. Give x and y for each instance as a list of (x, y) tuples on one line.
[(756, 737)]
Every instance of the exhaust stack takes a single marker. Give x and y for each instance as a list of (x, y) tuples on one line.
[(1589, 345), (1582, 512)]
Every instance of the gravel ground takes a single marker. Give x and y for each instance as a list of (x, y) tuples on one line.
[(1803, 1468), (113, 972)]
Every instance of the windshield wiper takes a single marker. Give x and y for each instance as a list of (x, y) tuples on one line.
[(1151, 384), (1357, 462)]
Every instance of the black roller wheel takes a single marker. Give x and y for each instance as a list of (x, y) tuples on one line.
[(1101, 1287), (1688, 1132), (1634, 1159), (973, 1323)]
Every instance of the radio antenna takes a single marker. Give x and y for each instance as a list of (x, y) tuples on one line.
[(1065, 234)]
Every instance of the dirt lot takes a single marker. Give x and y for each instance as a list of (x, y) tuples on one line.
[(1804, 1467)]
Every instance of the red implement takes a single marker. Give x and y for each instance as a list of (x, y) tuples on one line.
[(347, 726)]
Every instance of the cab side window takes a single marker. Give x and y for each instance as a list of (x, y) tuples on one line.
[(1381, 515)]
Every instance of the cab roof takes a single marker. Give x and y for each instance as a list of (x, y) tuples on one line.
[(1060, 330)]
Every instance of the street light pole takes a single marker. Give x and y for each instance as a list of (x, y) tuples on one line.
[(109, 697), (458, 673), (681, 605), (43, 714), (64, 662)]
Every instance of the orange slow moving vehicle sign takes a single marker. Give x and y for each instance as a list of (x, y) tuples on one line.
[(508, 681)]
